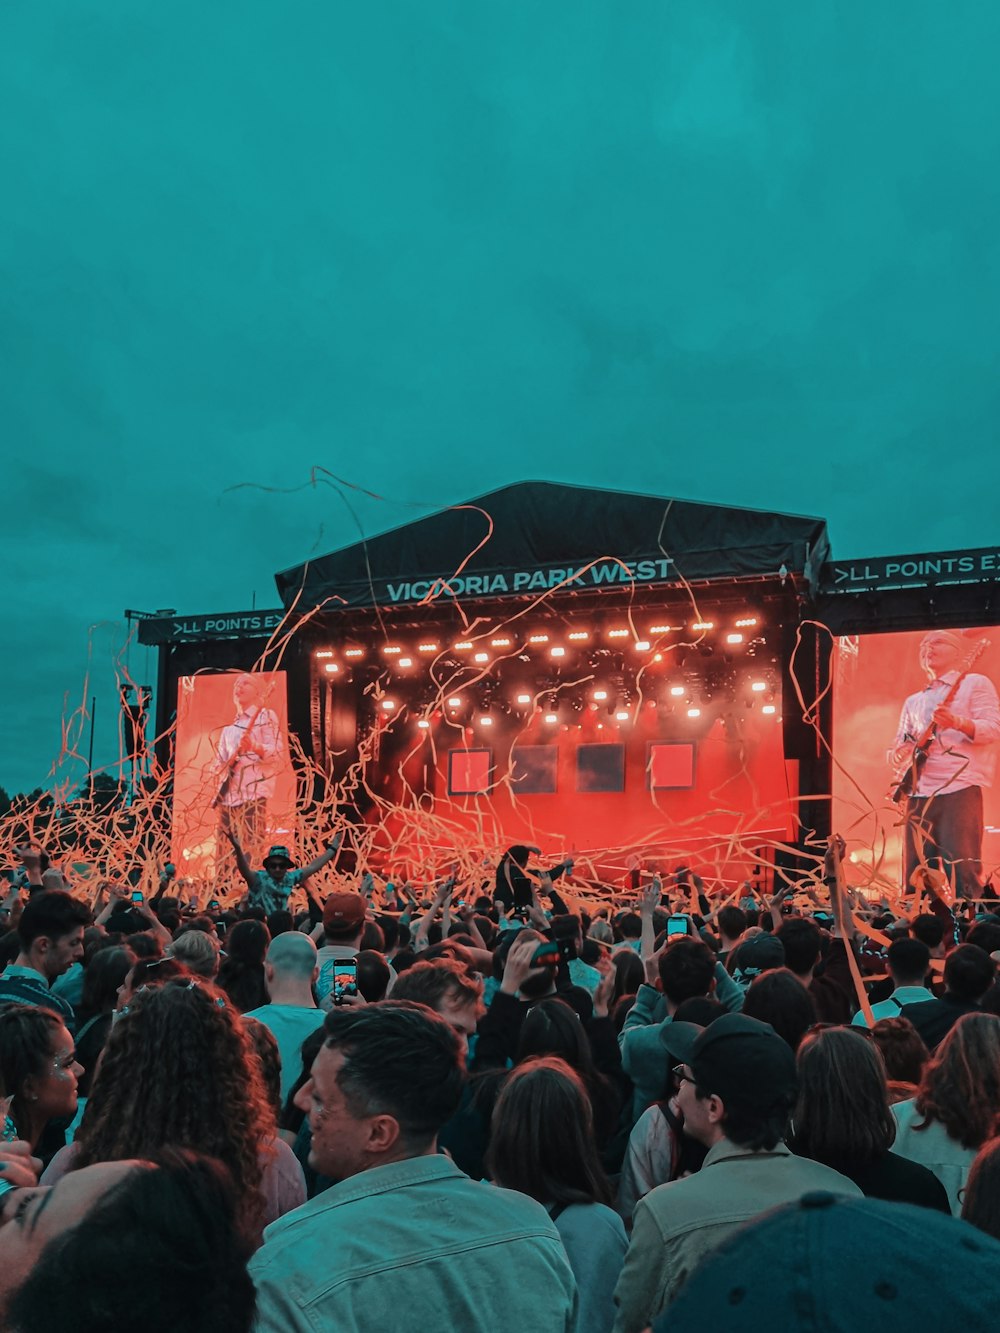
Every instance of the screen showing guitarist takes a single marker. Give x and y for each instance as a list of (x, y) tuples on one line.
[(249, 753), (945, 752)]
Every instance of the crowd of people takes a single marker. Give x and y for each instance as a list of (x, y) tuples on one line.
[(474, 1107)]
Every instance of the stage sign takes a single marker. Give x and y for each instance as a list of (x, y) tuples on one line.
[(911, 571), (671, 767), (216, 625), (469, 772), (231, 771), (881, 694)]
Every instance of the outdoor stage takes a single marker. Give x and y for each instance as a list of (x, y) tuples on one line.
[(626, 678)]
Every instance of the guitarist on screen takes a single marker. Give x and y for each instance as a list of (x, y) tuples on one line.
[(945, 746), (248, 756)]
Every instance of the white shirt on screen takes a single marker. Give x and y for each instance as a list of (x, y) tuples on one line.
[(256, 771), (954, 762)]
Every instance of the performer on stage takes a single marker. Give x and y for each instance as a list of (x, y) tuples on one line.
[(248, 756), (944, 808)]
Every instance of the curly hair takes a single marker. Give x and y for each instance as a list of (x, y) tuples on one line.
[(179, 1070), (960, 1087)]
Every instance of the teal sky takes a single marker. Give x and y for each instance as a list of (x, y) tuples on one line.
[(732, 252)]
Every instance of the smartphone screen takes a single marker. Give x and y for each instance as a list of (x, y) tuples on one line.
[(677, 925), (137, 896), (345, 979)]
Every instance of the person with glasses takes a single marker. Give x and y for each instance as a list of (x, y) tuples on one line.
[(737, 1086)]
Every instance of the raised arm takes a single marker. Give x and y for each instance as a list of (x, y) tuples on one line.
[(332, 848), (242, 864)]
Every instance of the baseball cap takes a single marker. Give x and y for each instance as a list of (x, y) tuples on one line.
[(743, 1060), (851, 1267), (678, 1039), (278, 853), (344, 913), (760, 953)]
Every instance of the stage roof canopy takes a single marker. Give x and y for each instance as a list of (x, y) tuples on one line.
[(541, 530)]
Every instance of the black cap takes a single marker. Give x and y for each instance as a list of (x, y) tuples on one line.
[(743, 1060)]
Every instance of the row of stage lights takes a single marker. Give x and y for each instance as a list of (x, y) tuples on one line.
[(504, 644)]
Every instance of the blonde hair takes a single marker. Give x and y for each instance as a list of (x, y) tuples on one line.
[(198, 951)]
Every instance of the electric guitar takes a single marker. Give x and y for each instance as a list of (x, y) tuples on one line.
[(909, 776), (228, 770)]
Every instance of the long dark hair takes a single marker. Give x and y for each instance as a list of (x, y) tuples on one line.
[(542, 1138), (842, 1117), (241, 974), (179, 1069), (26, 1035), (160, 1250), (102, 976), (981, 1205)]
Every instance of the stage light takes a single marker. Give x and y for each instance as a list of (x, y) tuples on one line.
[(551, 718), (694, 712), (677, 690), (538, 638), (499, 643), (405, 662), (747, 622), (427, 647), (641, 645), (657, 657), (734, 638), (524, 698), (622, 715), (391, 650), (354, 652), (557, 652), (454, 703), (600, 694), (486, 720), (660, 629), (423, 724), (759, 686), (326, 652), (461, 647), (331, 668), (618, 633), (388, 705), (578, 635), (481, 657), (703, 624), (769, 708)]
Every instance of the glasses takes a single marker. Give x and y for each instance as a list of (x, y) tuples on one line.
[(681, 1076)]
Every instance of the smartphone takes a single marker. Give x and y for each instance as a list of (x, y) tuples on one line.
[(137, 896), (213, 905), (546, 955), (677, 925), (345, 979)]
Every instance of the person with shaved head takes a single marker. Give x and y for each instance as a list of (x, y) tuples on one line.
[(290, 969), (942, 782)]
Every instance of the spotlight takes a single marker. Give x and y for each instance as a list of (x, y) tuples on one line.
[(391, 650), (641, 645), (694, 712), (388, 705), (454, 703), (557, 652), (427, 647), (769, 708), (759, 686), (747, 622), (617, 633), (600, 695), (538, 638), (677, 691), (499, 643), (734, 638), (481, 657), (405, 662), (660, 629), (703, 625), (524, 699), (354, 652), (622, 715), (486, 720), (331, 668), (461, 647), (578, 635), (423, 724), (324, 653), (551, 718)]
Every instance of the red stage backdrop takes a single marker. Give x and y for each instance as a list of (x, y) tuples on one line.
[(207, 736), (873, 675)]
